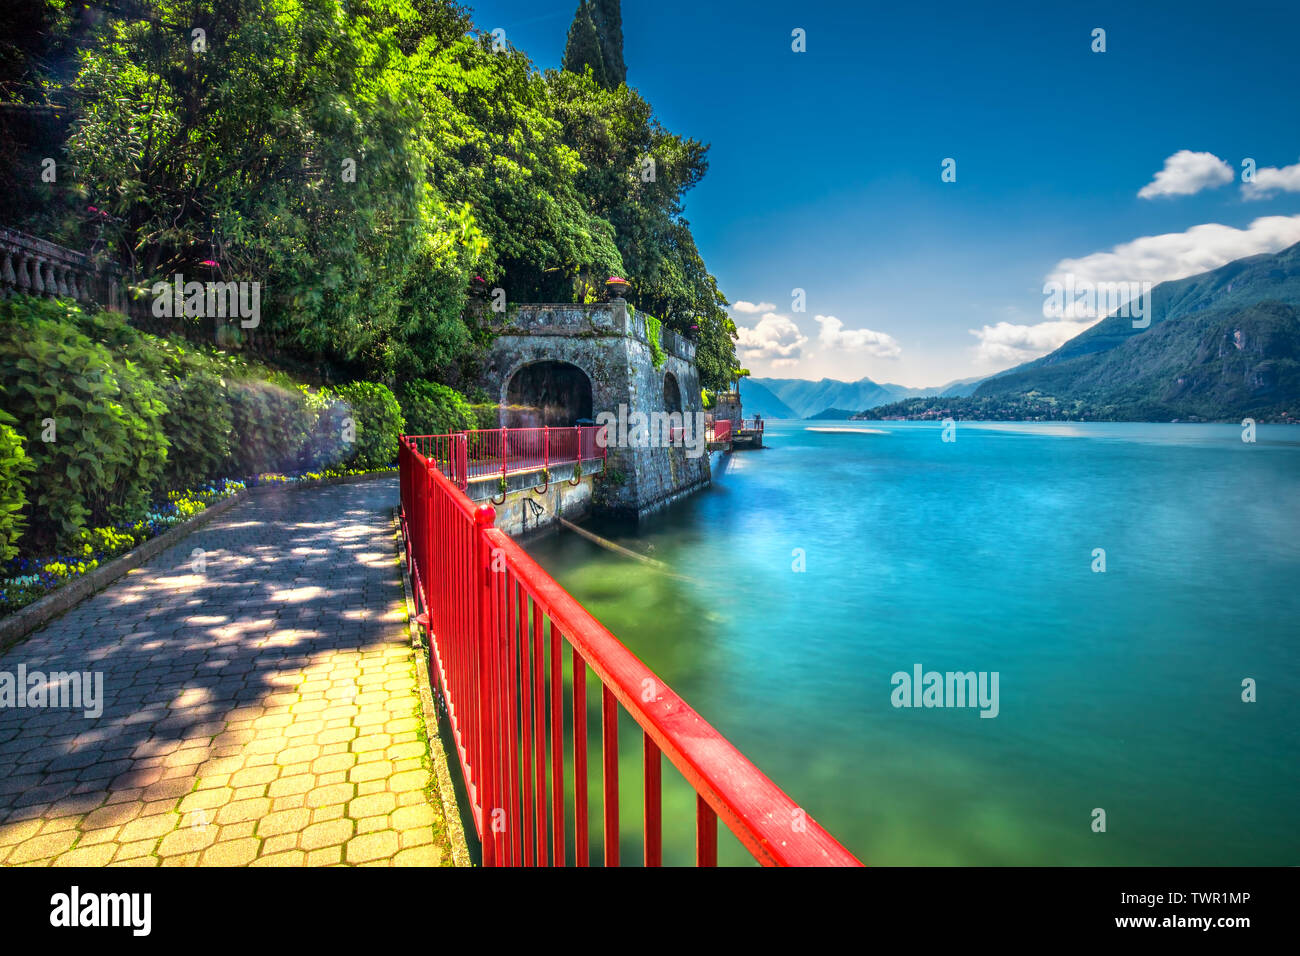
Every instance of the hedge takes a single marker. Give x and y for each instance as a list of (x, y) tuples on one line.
[(376, 421), (100, 422), (91, 424), (14, 465), (326, 444), (433, 409)]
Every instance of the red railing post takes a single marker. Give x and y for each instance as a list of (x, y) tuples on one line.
[(706, 833), (484, 634), (609, 772), (652, 802), (462, 461), (503, 452), (546, 447), (426, 579)]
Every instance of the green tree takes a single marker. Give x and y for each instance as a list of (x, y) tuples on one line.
[(608, 17), (283, 145), (363, 159), (35, 48), (582, 50), (493, 140), (634, 176)]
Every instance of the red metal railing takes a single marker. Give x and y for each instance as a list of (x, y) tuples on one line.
[(721, 430), (499, 628), (466, 456)]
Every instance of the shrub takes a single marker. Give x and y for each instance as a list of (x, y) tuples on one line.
[(91, 420), (291, 420), (433, 409), (271, 425), (377, 420), (198, 422), (14, 465), (486, 415), (325, 446), (198, 425)]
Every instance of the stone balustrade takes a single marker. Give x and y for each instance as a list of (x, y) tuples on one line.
[(32, 266), (577, 319)]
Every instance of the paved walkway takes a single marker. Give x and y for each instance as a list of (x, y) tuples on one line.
[(260, 711)]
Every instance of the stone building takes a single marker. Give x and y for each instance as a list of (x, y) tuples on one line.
[(726, 406), (560, 365)]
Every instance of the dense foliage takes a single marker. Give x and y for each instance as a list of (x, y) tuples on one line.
[(101, 421), (14, 465), (91, 423), (595, 42), (375, 423), (362, 161), (433, 409)]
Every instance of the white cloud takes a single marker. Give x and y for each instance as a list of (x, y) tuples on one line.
[(1186, 173), (775, 338), (833, 335), (1009, 344), (753, 308), (1175, 255), (1154, 259), (1270, 179)]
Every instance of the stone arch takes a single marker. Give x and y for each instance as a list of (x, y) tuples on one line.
[(547, 392), (672, 393)]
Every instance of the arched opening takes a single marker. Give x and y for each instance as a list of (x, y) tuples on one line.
[(672, 393), (554, 394)]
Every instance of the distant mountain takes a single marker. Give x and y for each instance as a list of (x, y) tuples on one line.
[(1221, 345), (757, 399), (833, 414), (962, 386), (806, 399), (1232, 287)]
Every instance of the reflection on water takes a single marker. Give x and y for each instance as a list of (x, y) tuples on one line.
[(1119, 690)]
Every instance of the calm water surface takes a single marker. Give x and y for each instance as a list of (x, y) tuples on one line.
[(1118, 690)]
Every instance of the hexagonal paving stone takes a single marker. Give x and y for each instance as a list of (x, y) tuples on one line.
[(248, 733)]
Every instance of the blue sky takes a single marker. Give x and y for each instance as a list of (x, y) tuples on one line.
[(825, 166)]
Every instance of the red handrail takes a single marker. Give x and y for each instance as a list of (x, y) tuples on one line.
[(487, 452), (498, 625)]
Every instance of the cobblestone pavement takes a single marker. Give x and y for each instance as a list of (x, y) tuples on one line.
[(261, 709)]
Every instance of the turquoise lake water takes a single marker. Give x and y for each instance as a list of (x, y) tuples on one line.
[(1119, 690)]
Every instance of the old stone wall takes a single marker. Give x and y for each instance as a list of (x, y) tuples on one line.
[(608, 342), (657, 476), (726, 406), (517, 518)]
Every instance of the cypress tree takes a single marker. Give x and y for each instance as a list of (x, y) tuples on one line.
[(582, 49), (608, 17)]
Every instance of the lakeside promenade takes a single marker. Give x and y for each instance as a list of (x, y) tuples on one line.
[(261, 711)]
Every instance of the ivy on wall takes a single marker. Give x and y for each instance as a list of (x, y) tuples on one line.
[(654, 333)]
